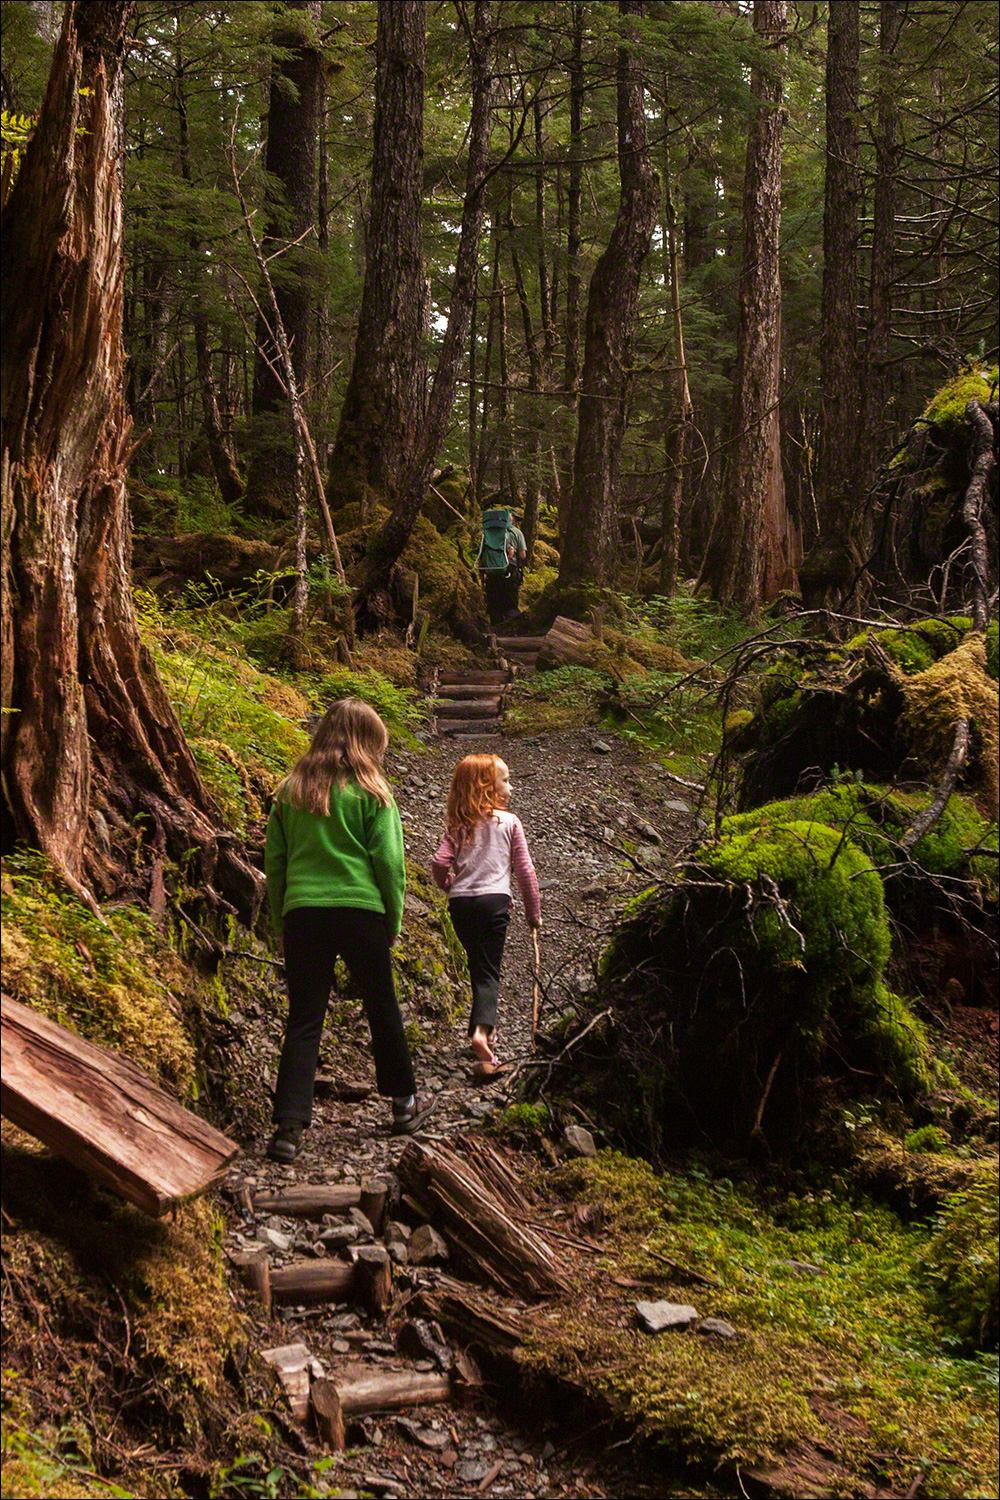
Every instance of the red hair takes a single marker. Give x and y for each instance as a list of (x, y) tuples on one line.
[(472, 795)]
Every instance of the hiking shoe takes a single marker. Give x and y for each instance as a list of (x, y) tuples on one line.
[(286, 1140), (407, 1119)]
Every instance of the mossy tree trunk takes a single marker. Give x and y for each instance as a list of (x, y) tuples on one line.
[(293, 118), (588, 554), (382, 407), (94, 758)]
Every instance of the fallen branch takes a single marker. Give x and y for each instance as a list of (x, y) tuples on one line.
[(930, 814)]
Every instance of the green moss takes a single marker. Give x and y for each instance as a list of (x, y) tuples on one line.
[(400, 707), (119, 982), (839, 907), (842, 1356), (928, 1138), (946, 411), (993, 649), (962, 1260)]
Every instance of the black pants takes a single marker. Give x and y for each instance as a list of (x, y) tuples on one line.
[(314, 937), (481, 925)]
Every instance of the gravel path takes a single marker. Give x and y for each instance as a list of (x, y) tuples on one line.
[(581, 798)]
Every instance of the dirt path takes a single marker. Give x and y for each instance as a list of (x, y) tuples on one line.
[(579, 795)]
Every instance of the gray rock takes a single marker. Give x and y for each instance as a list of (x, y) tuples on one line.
[(600, 748), (675, 805), (394, 1230), (648, 854), (478, 1109), (425, 1244), (276, 1239), (427, 1437), (719, 1327), (579, 1141), (647, 830), (362, 1222), (399, 1252), (800, 1267), (339, 1235), (655, 1317), (471, 1471)]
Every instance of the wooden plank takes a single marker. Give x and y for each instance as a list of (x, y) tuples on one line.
[(453, 692), (105, 1114), (497, 678), (471, 708)]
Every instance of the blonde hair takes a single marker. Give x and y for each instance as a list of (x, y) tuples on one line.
[(350, 741), (472, 794)]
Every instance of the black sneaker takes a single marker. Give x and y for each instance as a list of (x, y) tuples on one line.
[(286, 1140), (408, 1119)]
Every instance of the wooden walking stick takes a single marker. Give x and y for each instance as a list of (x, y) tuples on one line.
[(536, 992)]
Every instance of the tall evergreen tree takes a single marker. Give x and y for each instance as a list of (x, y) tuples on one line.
[(383, 405)]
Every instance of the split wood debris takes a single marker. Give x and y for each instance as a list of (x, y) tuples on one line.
[(476, 1200), (103, 1113)]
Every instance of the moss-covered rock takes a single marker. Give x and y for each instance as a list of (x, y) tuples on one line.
[(762, 967)]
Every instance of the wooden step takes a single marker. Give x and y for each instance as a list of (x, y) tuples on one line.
[(457, 690), (483, 708), (520, 642), (467, 729), (457, 679)]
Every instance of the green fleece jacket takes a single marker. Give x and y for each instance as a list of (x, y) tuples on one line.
[(352, 857)]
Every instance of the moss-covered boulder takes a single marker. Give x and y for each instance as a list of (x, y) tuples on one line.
[(763, 967)]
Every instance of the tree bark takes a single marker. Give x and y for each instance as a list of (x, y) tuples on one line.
[(293, 118), (574, 202), (91, 744), (734, 562), (588, 554), (838, 487), (888, 151), (386, 546), (383, 405), (679, 412)]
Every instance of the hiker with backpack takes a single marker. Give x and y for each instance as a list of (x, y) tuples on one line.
[(482, 846), (502, 555), (335, 881)]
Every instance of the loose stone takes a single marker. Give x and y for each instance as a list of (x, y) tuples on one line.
[(656, 1317)]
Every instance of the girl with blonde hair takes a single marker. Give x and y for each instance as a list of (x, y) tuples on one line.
[(335, 882), (482, 846)]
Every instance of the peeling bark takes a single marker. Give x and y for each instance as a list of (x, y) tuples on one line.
[(91, 744)]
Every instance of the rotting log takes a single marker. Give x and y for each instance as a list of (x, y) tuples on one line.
[(469, 1316), (363, 1389), (296, 1367), (305, 1282), (102, 1112), (485, 1238), (309, 1200)]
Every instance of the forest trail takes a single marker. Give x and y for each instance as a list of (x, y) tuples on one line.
[(467, 705), (580, 797)]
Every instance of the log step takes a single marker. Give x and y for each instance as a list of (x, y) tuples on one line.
[(497, 678), (520, 642), (454, 691), (461, 729), (473, 708)]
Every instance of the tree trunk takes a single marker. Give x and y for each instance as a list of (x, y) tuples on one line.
[(888, 151), (382, 407), (734, 563), (91, 745), (839, 478), (290, 163), (678, 413), (384, 548), (591, 535), (574, 202)]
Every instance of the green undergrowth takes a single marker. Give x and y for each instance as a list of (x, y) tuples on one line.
[(962, 1260), (841, 1350)]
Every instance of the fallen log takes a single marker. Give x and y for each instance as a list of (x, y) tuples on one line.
[(469, 1317), (308, 1200), (365, 1390), (306, 1282), (484, 1237), (102, 1112)]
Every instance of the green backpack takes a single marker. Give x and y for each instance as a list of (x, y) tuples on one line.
[(497, 546)]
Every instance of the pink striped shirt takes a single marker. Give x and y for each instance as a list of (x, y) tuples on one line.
[(483, 866)]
